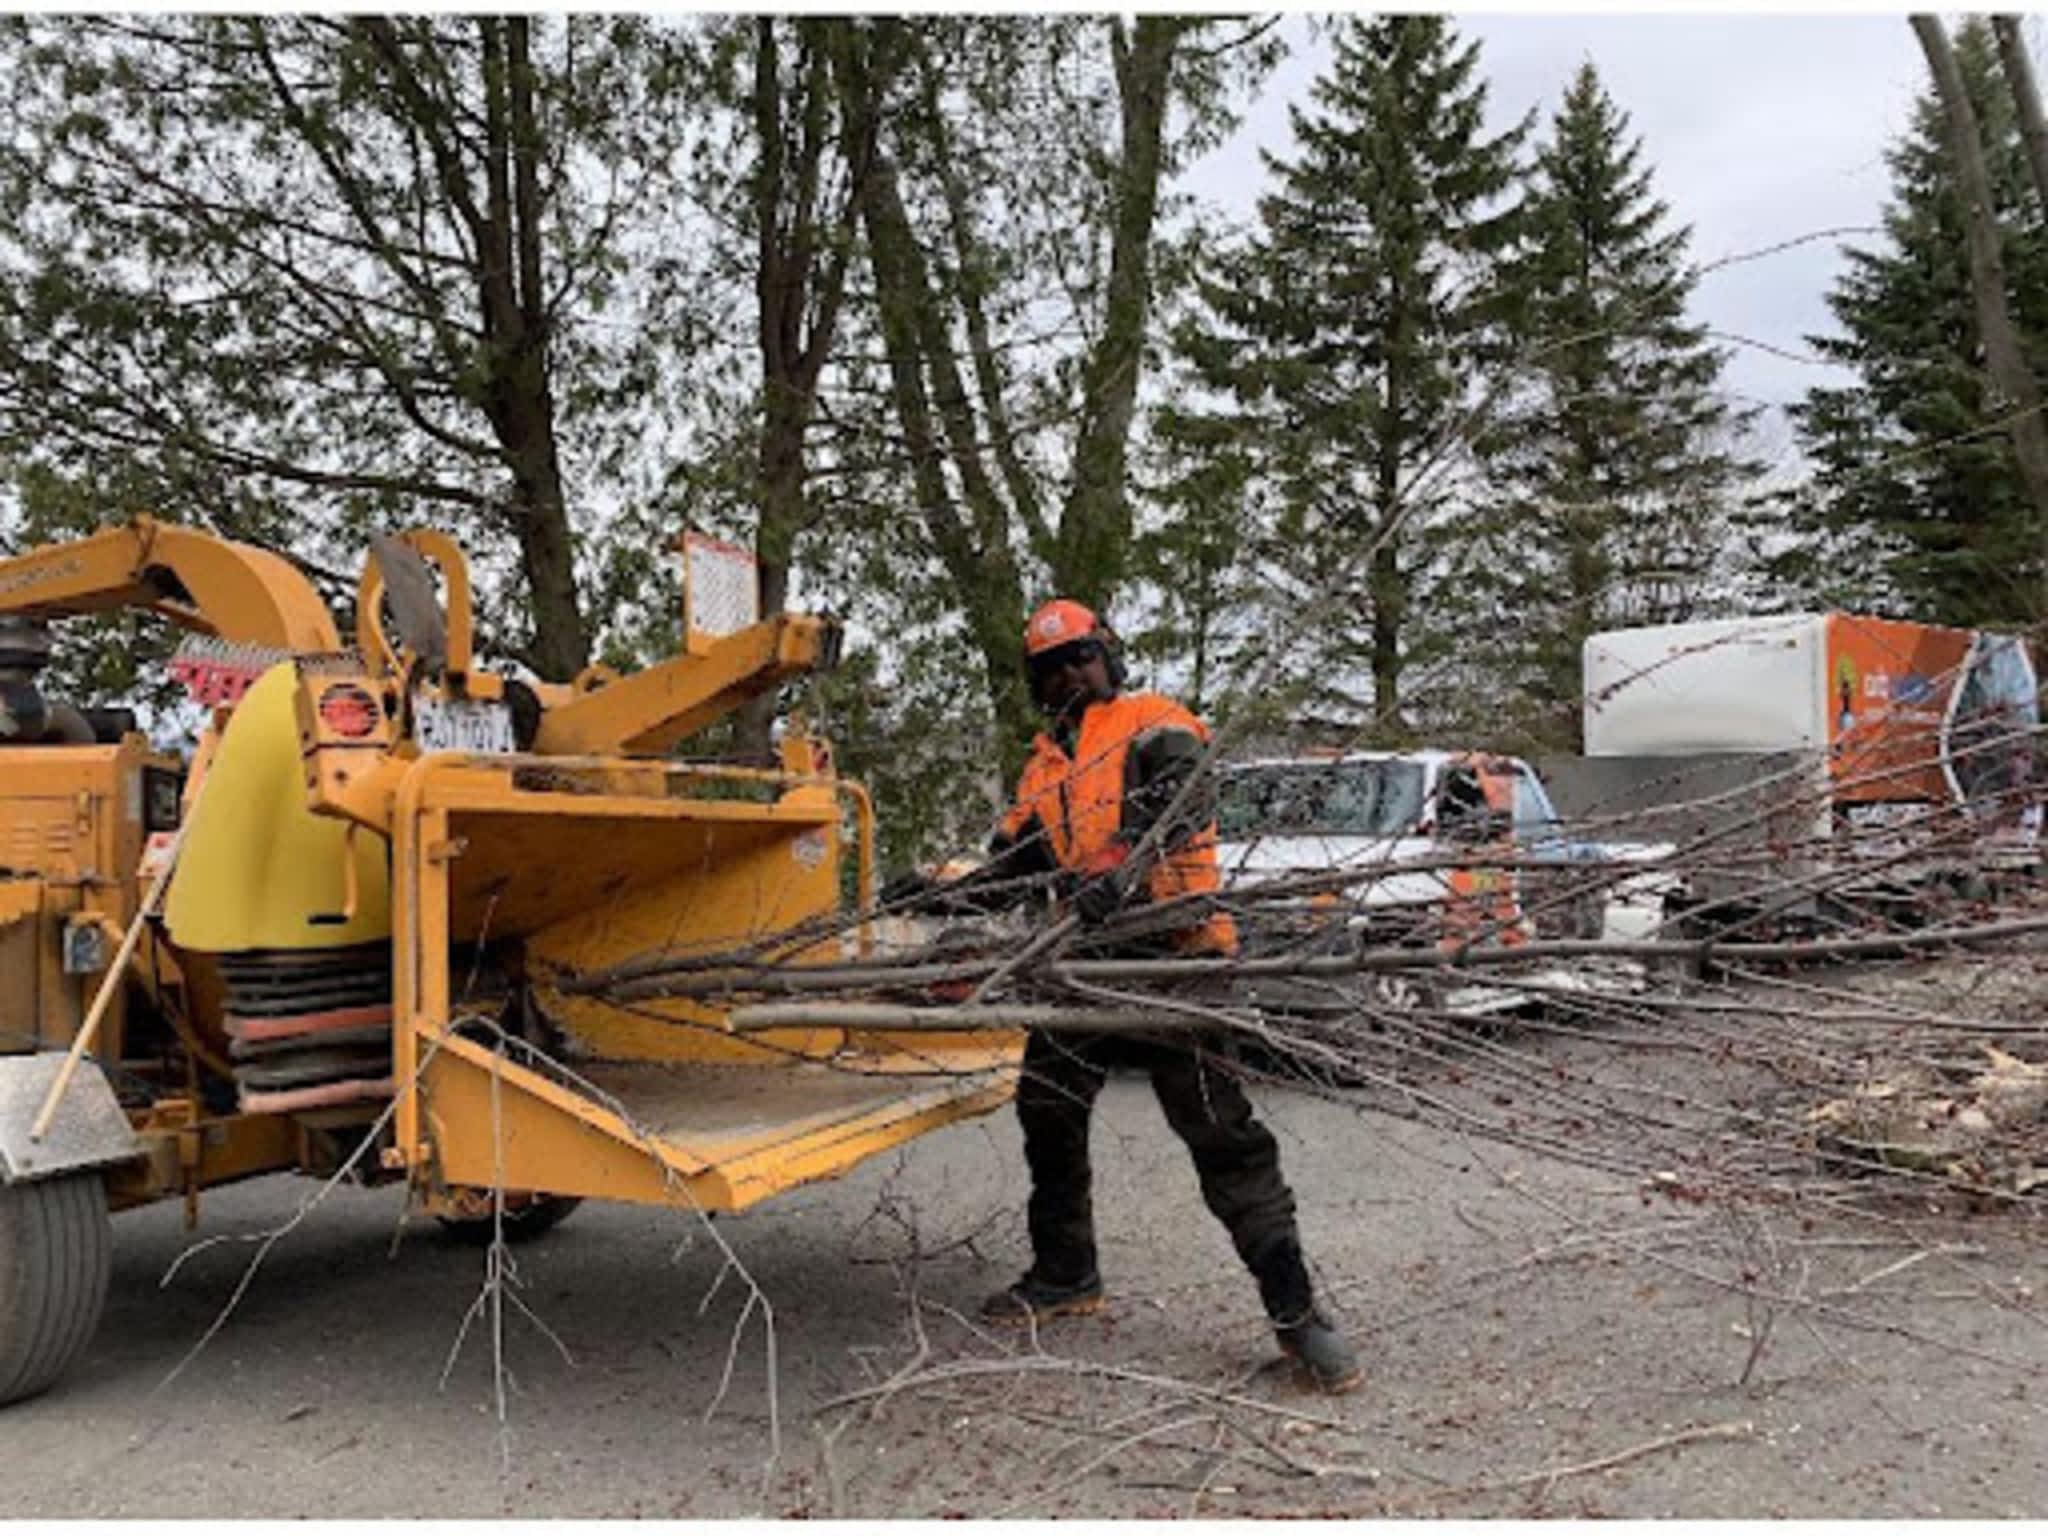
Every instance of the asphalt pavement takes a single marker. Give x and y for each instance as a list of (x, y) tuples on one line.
[(1541, 1340)]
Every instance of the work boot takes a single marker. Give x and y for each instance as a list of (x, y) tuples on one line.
[(1033, 1299), (1313, 1343)]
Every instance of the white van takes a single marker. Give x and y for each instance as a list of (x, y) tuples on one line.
[(1399, 821)]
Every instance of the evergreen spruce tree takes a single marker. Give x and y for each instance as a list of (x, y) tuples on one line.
[(1192, 557), (1613, 466), (1348, 336), (1915, 504)]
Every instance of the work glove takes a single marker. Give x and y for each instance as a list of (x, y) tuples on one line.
[(1098, 900)]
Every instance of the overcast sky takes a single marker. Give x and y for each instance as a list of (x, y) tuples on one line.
[(1757, 129)]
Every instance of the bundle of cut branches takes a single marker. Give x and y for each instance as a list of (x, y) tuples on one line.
[(1716, 1016)]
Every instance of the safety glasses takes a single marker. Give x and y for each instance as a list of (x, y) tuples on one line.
[(1075, 653)]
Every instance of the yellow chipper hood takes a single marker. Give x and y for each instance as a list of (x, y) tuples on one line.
[(259, 869)]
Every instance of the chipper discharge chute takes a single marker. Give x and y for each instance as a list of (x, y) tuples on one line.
[(403, 901)]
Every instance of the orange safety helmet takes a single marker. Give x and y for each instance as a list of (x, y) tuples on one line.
[(1064, 622), (1060, 622)]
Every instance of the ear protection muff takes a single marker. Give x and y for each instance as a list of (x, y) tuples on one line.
[(1112, 654)]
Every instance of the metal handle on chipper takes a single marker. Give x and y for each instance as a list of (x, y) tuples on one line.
[(350, 891), (116, 969)]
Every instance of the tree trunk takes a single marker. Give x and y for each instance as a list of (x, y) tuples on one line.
[(982, 566), (971, 265), (799, 284), (2019, 77), (547, 547), (781, 274), (784, 422), (975, 550), (1384, 581), (1203, 612), (1386, 642), (526, 420), (1389, 599), (1588, 526), (781, 289), (2007, 365), (512, 386), (1095, 524)]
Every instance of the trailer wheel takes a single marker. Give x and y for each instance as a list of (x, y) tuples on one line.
[(56, 1254), (526, 1216)]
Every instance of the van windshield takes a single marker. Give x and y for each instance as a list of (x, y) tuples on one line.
[(1997, 712), (1365, 799)]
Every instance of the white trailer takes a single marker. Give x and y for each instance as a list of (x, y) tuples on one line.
[(1784, 748)]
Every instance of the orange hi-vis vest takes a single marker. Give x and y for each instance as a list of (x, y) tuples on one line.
[(1483, 905), (1079, 801), (1480, 907)]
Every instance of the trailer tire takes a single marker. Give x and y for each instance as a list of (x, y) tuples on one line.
[(56, 1255), (533, 1215)]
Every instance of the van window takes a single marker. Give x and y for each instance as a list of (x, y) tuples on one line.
[(1379, 798), (1537, 826), (1534, 814)]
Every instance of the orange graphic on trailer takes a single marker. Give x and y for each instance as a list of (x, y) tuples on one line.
[(1892, 682)]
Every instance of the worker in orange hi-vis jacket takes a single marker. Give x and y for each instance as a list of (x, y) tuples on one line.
[(1481, 903), (1109, 766)]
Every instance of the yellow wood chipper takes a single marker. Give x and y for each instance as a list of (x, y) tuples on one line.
[(354, 933)]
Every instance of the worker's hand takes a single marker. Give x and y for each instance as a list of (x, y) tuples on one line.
[(1097, 901)]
